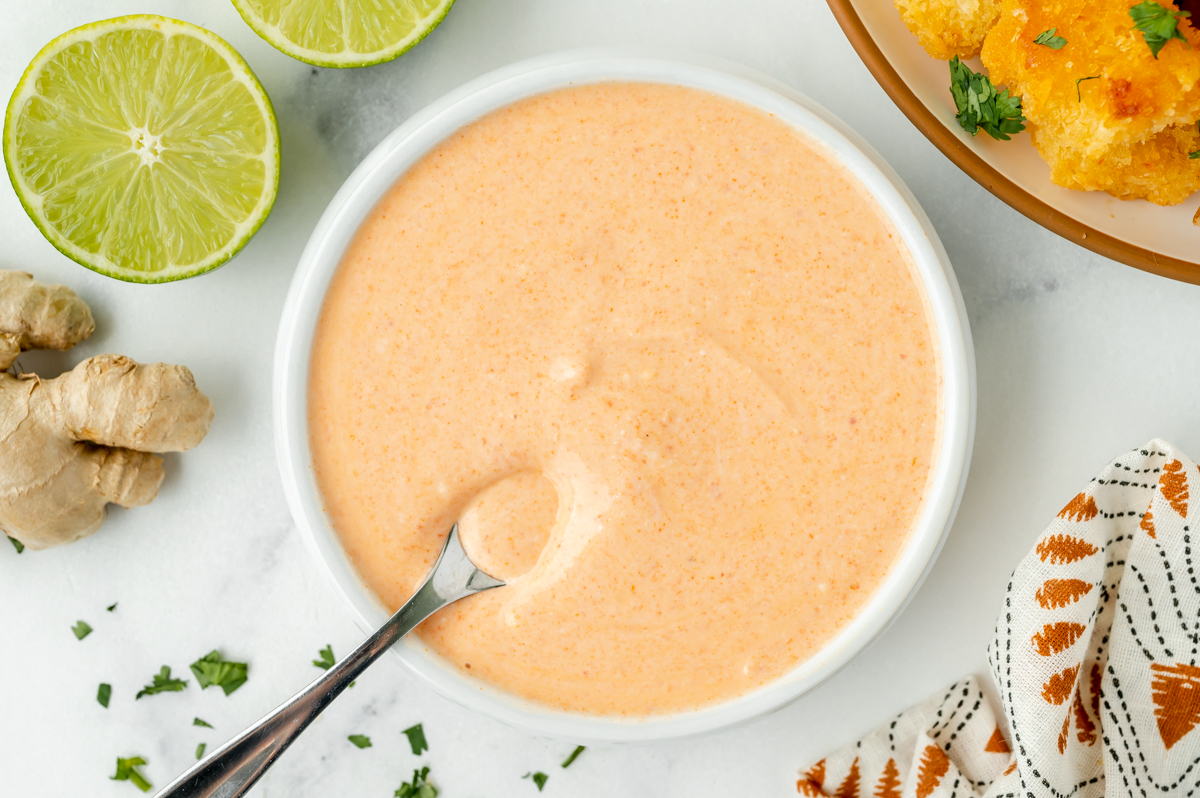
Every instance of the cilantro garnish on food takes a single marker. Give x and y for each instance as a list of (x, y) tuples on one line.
[(981, 106), (1158, 24), (81, 630), (360, 740), (200, 751), (18, 545), (212, 671), (199, 722), (163, 683), (1078, 94), (416, 739), (127, 771), (419, 787), (539, 779), (103, 694), (1047, 39), (574, 755), (327, 660)]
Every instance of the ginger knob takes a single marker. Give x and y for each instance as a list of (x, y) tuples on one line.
[(71, 445)]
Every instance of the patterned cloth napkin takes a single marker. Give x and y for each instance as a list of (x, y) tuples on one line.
[(1095, 659)]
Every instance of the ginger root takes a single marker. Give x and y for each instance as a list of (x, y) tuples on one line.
[(37, 316), (71, 445)]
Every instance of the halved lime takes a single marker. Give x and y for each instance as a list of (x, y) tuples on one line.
[(343, 33), (143, 147)]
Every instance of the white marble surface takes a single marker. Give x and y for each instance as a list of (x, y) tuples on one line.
[(1078, 359)]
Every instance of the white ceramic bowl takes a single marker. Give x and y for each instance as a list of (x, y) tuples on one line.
[(418, 135)]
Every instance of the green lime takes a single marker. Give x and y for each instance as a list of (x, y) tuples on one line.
[(343, 33), (143, 147)]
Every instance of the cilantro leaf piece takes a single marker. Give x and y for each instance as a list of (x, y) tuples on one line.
[(981, 106), (327, 660), (416, 739), (579, 749), (1194, 154), (1158, 24), (81, 630), (103, 694), (419, 787), (212, 671), (200, 751), (1047, 39), (163, 683), (112, 606), (199, 722), (18, 545), (1078, 93), (539, 779), (127, 771), (361, 740)]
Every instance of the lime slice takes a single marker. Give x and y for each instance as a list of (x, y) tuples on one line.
[(143, 148), (343, 33)]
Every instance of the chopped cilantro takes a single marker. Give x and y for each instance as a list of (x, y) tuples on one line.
[(1078, 94), (18, 545), (103, 694), (199, 722), (212, 671), (1158, 24), (416, 739), (361, 740), (574, 755), (327, 660), (81, 630), (200, 751), (112, 606), (163, 683), (127, 771), (539, 779), (1047, 39), (419, 787), (981, 106)]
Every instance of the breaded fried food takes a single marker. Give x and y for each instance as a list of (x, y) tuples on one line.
[(947, 28), (1103, 111), (1157, 169)]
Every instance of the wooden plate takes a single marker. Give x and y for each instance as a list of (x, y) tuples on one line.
[(1158, 239)]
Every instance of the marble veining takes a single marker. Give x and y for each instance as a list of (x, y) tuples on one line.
[(1078, 358)]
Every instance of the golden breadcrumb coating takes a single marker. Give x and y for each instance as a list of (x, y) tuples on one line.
[(1127, 131), (947, 28), (1157, 170)]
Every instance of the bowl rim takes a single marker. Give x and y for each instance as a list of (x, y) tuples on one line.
[(983, 173), (428, 127)]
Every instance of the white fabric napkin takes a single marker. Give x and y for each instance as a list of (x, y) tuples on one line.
[(1095, 658)]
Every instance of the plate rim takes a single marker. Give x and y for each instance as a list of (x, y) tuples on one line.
[(988, 176)]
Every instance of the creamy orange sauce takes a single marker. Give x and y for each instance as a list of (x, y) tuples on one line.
[(667, 361)]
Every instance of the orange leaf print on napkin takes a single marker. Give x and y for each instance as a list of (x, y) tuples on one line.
[(1081, 508), (1062, 549), (934, 765), (1058, 689), (1174, 486), (811, 782), (1147, 524), (849, 785), (1176, 700), (1056, 637), (889, 782), (1055, 593), (996, 744)]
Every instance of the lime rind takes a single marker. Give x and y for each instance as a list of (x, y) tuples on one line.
[(184, 242), (344, 57)]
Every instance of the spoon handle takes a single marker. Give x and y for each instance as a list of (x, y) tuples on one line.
[(231, 770)]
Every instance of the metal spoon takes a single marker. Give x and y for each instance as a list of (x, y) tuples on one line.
[(230, 771)]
